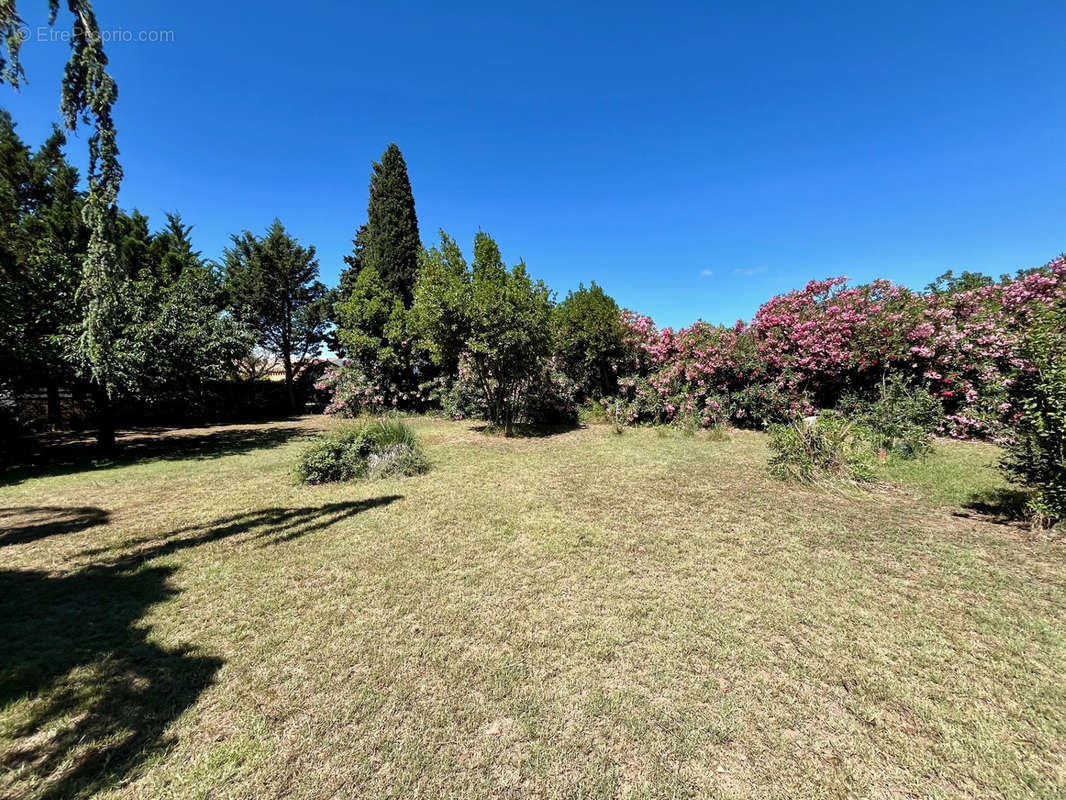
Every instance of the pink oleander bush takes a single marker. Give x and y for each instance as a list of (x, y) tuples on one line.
[(806, 349), (353, 392)]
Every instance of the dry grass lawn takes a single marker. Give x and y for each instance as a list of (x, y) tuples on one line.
[(581, 615)]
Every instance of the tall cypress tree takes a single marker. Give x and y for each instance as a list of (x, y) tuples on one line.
[(390, 241)]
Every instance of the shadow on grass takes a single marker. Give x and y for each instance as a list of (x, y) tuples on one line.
[(24, 524), (87, 695), (524, 431), (1006, 505), (64, 454)]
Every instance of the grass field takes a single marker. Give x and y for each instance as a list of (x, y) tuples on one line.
[(579, 615)]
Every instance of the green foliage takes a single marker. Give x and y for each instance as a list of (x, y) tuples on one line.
[(378, 449), (498, 317), (549, 398), (592, 412), (458, 396), (829, 447), (589, 340), (42, 245), (88, 93), (949, 283), (168, 332), (273, 289), (372, 331), (390, 243), (1036, 454), (900, 419)]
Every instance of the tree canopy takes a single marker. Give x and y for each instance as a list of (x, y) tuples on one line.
[(272, 286), (492, 314)]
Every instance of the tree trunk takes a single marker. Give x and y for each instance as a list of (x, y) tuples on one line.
[(289, 383)]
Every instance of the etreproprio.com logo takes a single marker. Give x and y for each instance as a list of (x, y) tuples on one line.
[(49, 35)]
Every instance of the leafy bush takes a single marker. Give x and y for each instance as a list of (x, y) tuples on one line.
[(379, 449), (458, 397), (1036, 454), (589, 340), (828, 447), (494, 315), (901, 419), (549, 399), (354, 392)]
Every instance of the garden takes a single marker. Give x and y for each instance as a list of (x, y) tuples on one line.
[(439, 530), (575, 614)]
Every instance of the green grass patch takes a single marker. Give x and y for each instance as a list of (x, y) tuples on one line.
[(569, 615)]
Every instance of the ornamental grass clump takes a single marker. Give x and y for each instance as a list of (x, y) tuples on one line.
[(826, 448), (380, 449)]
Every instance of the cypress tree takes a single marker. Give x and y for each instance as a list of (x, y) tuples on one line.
[(390, 242)]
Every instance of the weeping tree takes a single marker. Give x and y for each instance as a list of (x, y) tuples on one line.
[(88, 94)]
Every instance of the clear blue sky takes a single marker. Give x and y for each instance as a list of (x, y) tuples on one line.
[(639, 145)]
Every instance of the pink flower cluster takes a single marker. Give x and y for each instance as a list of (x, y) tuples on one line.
[(806, 348)]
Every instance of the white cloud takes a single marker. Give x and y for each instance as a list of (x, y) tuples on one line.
[(706, 273)]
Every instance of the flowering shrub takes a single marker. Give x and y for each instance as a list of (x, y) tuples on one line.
[(807, 348), (354, 393), (550, 398)]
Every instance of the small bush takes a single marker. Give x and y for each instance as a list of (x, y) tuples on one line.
[(900, 419), (829, 447), (384, 448)]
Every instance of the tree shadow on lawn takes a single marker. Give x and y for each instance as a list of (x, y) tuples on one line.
[(65, 454), (88, 696), (25, 524), (526, 431), (1003, 505)]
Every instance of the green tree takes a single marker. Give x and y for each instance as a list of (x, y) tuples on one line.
[(176, 326), (42, 245), (88, 94), (1036, 454), (390, 242), (273, 288), (372, 331), (966, 281), (496, 316), (589, 340)]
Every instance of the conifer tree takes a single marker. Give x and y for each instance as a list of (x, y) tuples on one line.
[(390, 242)]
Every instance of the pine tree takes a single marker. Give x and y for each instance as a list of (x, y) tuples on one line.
[(391, 243), (273, 288)]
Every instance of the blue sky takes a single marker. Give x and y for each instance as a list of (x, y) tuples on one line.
[(692, 158)]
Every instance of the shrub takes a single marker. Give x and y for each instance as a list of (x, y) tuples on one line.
[(828, 447), (1036, 454), (804, 349), (549, 399), (901, 419), (494, 315), (383, 448), (589, 340)]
